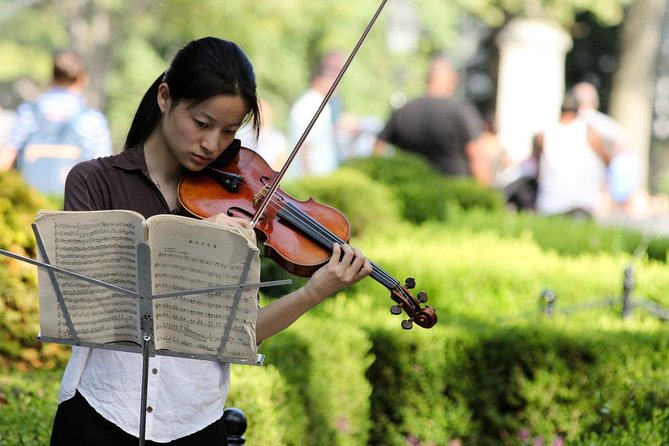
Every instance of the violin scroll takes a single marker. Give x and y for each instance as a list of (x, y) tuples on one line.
[(425, 317)]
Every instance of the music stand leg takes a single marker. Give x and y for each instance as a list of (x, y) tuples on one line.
[(145, 296), (145, 383)]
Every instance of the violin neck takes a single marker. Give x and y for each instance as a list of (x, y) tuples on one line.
[(324, 237)]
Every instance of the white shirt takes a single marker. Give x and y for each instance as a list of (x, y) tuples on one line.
[(183, 395), (571, 174), (271, 145), (318, 155)]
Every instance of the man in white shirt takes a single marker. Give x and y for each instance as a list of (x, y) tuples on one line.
[(318, 153)]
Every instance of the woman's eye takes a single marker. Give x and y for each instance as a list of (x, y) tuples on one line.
[(200, 124)]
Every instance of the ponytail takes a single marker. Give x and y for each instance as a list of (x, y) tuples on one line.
[(146, 118)]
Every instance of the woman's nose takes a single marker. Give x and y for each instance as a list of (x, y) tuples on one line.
[(211, 142)]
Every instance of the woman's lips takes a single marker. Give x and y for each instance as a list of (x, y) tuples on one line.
[(200, 160)]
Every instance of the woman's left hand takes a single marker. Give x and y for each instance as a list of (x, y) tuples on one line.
[(346, 266)]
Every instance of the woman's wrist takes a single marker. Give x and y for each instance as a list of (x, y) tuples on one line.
[(310, 296)]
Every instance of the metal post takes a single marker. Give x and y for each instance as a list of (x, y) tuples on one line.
[(549, 297), (628, 286), (235, 425)]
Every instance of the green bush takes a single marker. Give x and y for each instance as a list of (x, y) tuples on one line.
[(261, 393), (563, 234), (650, 430), (27, 406), (18, 206), (425, 194), (412, 399), (19, 321), (495, 370), (514, 369), (325, 367)]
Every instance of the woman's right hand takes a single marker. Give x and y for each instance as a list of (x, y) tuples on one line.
[(226, 220)]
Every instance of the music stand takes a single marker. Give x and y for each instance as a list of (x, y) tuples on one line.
[(145, 295)]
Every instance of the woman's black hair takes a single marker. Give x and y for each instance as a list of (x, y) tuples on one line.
[(201, 69)]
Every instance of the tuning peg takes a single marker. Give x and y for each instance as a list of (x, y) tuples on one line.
[(410, 283), (422, 297), (395, 309), (407, 324)]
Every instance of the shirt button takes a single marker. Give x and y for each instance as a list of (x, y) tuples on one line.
[(149, 409), (154, 371)]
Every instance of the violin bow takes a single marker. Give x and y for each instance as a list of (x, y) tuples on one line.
[(277, 179)]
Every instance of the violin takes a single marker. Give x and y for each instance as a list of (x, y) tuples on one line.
[(297, 235)]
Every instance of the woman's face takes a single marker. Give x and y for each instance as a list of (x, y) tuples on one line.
[(195, 135)]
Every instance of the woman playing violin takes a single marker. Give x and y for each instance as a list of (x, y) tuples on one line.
[(185, 121)]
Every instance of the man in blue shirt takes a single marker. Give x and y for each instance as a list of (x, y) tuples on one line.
[(45, 164)]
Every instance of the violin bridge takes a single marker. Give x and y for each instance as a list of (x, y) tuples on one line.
[(260, 196)]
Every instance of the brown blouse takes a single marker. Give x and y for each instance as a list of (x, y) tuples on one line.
[(115, 182)]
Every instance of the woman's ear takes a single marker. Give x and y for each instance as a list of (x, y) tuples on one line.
[(163, 97)]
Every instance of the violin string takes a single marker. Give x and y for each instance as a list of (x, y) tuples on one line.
[(318, 230)]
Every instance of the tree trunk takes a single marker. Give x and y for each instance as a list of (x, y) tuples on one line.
[(89, 26), (633, 83)]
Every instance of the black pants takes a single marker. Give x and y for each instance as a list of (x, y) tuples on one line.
[(78, 424)]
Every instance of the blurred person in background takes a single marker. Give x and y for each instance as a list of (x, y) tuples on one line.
[(442, 128), (624, 173), (318, 154), (571, 161), (57, 130), (7, 118), (271, 144)]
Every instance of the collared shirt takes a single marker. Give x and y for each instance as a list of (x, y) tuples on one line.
[(184, 395)]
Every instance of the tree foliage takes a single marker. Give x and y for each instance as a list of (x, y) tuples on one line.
[(128, 43)]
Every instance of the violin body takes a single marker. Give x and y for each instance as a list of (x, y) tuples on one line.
[(237, 188)]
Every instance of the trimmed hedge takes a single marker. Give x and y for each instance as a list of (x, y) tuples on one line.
[(495, 370), (566, 236), (325, 368), (27, 406), (19, 322), (424, 193)]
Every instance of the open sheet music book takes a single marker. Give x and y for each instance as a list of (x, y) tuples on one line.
[(186, 254)]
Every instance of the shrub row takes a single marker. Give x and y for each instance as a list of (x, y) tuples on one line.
[(494, 370), (18, 280), (375, 192)]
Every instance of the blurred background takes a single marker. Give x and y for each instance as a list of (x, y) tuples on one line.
[(515, 58)]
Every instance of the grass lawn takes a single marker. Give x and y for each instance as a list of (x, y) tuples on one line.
[(27, 406)]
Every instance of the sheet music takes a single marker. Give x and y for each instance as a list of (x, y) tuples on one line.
[(99, 247), (193, 256), (186, 254)]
